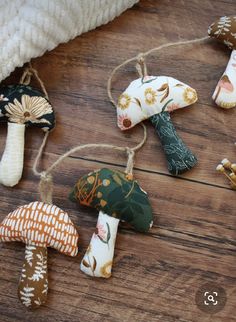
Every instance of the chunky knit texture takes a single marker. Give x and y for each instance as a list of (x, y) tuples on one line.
[(31, 27)]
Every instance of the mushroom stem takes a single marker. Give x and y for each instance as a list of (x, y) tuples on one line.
[(178, 155), (97, 261), (225, 92), (11, 165), (33, 285)]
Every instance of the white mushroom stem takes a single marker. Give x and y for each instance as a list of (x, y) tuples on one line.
[(11, 165), (98, 258), (225, 92)]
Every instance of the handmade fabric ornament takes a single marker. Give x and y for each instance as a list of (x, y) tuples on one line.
[(116, 197), (153, 98), (21, 106), (38, 225), (224, 29), (115, 194), (229, 170)]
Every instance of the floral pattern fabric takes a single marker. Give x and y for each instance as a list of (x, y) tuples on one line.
[(224, 29), (23, 104), (178, 155), (152, 95), (111, 192), (97, 261)]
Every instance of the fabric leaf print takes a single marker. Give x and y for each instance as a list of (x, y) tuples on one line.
[(166, 94), (137, 101), (26, 295), (148, 79), (94, 264), (29, 254), (85, 263), (166, 104), (40, 268), (177, 153), (117, 179), (163, 87)]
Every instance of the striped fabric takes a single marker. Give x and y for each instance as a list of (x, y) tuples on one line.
[(43, 225)]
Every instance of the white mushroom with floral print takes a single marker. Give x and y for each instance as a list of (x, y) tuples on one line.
[(22, 106), (154, 98)]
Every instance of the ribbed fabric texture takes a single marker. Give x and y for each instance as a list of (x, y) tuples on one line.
[(31, 27)]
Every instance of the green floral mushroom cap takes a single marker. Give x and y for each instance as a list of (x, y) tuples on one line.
[(111, 192), (23, 104)]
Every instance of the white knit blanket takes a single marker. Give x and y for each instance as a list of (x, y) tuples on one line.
[(28, 28)]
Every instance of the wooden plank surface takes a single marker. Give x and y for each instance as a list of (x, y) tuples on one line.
[(155, 276)]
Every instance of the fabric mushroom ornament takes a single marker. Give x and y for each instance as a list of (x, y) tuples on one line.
[(155, 98), (224, 29), (116, 198), (38, 225), (21, 105)]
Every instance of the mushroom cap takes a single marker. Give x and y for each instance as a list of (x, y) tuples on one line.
[(23, 104), (224, 29), (43, 225), (151, 95), (111, 192)]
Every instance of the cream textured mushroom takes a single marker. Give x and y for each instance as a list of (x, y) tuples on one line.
[(38, 225), (224, 29), (22, 106)]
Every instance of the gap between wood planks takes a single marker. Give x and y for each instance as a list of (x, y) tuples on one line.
[(137, 169)]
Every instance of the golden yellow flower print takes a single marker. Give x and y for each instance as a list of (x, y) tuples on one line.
[(150, 96), (91, 179), (31, 108), (106, 269), (124, 101), (190, 95)]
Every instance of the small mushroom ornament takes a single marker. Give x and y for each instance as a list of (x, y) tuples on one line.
[(154, 98), (116, 197), (21, 106), (38, 225), (229, 170), (224, 29)]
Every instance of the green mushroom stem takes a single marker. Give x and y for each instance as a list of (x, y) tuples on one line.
[(179, 157)]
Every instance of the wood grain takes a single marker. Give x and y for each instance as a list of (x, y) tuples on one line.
[(155, 276)]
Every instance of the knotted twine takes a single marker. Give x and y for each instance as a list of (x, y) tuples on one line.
[(46, 179)]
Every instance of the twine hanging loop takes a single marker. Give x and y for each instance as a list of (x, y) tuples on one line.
[(141, 66), (46, 187)]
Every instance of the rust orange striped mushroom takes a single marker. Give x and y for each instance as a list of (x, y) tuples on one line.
[(38, 225)]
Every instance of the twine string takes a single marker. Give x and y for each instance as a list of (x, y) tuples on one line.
[(141, 65), (46, 184), (46, 179), (27, 75)]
